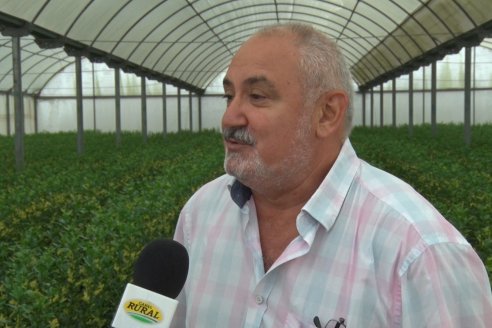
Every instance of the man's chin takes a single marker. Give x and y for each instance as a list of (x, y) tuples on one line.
[(244, 168), (232, 171), (240, 172)]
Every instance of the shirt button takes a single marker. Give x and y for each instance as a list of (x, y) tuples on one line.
[(259, 299)]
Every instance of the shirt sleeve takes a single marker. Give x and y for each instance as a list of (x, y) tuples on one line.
[(446, 286)]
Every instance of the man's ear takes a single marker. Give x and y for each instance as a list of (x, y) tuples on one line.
[(331, 108)]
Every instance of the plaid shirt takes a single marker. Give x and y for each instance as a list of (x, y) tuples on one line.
[(370, 250)]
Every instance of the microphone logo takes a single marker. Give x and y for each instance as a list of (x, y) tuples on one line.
[(143, 311)]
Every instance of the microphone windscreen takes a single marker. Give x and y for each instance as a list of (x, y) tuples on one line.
[(162, 267)]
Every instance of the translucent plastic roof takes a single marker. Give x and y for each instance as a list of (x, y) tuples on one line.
[(189, 42), (38, 65), (487, 43)]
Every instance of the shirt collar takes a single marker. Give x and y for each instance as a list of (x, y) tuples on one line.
[(240, 194), (325, 204)]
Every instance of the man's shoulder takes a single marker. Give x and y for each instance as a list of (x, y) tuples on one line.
[(214, 190), (407, 206), (221, 182), (391, 190)]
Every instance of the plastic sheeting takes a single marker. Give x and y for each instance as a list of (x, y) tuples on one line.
[(189, 43), (38, 65)]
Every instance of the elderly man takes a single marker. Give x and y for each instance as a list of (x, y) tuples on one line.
[(300, 232)]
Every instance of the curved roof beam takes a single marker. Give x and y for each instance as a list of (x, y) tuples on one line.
[(468, 23), (138, 21), (317, 16), (105, 26), (221, 66), (345, 50), (42, 78), (254, 28)]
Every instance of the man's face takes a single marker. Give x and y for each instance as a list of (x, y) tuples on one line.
[(265, 98)]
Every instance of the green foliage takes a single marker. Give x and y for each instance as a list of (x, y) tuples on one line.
[(71, 226)]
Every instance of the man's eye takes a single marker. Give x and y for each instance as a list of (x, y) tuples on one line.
[(228, 98), (256, 96)]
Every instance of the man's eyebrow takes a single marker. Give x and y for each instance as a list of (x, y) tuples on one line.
[(226, 82), (260, 79)]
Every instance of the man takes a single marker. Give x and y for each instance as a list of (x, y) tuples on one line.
[(301, 232)]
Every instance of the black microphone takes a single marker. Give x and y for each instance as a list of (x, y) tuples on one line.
[(158, 277)]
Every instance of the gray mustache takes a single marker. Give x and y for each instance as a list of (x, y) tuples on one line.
[(241, 135)]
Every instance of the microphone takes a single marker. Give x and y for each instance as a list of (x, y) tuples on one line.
[(158, 277)]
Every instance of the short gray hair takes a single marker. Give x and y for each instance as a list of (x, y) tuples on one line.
[(321, 63)]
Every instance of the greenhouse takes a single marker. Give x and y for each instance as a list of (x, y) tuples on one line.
[(110, 119)]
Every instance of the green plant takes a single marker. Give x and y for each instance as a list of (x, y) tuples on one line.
[(72, 226)]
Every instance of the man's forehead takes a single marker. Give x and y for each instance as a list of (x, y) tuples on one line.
[(263, 60), (264, 49)]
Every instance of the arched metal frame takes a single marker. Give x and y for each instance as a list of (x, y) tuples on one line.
[(38, 65), (188, 43)]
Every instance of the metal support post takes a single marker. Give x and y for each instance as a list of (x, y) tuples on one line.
[(80, 108), (18, 103), (117, 104), (467, 118), (410, 104), (144, 107), (164, 110), (433, 98)]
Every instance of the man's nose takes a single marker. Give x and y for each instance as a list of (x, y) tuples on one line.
[(234, 114)]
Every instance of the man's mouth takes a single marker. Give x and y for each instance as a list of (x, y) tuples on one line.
[(236, 141), (239, 136)]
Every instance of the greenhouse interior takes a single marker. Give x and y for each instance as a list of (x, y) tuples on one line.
[(80, 80), (180, 52)]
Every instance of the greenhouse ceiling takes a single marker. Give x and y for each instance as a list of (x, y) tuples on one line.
[(188, 43)]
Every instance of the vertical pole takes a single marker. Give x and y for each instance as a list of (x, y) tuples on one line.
[(144, 107), (190, 109), (18, 103), (7, 104), (164, 110), (393, 102), (467, 119), (117, 104), (179, 109), (35, 98), (80, 110), (410, 104), (433, 98), (372, 107), (200, 113), (93, 99), (381, 106), (474, 86), (364, 108), (423, 95)]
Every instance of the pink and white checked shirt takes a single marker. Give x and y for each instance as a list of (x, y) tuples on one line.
[(370, 250)]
